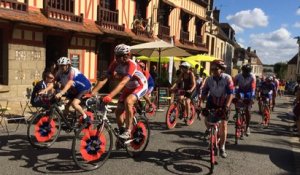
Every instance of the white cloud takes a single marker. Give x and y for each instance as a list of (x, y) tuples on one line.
[(249, 18), (297, 25), (298, 11), (273, 47)]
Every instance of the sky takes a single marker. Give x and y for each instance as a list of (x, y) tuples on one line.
[(267, 26)]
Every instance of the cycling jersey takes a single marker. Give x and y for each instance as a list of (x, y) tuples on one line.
[(218, 89), (267, 89), (81, 83), (137, 84), (246, 85), (130, 69)]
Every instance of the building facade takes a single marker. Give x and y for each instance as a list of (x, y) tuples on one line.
[(291, 74), (36, 33)]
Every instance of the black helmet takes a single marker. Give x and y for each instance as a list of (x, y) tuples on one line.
[(246, 68)]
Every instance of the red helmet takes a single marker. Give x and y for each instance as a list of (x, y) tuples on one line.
[(219, 63)]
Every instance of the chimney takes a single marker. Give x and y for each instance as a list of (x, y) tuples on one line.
[(248, 49), (254, 51), (216, 14)]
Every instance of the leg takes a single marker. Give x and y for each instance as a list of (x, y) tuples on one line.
[(119, 112), (129, 102), (77, 107), (223, 136), (188, 106)]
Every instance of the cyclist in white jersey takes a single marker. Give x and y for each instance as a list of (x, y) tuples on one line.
[(133, 85)]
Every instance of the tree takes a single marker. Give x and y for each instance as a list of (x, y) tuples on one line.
[(280, 70)]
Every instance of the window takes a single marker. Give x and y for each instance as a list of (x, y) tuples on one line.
[(141, 7), (66, 5), (75, 60), (108, 4)]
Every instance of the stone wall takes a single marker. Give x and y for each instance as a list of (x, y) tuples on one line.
[(25, 65)]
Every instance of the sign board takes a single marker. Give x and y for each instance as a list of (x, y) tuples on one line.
[(164, 97), (75, 60)]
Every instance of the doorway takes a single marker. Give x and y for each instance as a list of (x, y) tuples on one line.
[(56, 47), (3, 58)]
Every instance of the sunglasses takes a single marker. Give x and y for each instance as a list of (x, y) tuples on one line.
[(51, 78), (214, 68)]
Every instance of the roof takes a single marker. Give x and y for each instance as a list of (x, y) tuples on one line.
[(293, 60), (38, 18)]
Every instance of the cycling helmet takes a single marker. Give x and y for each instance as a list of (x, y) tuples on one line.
[(122, 49), (185, 64), (141, 64), (219, 63), (246, 68), (269, 78), (63, 61)]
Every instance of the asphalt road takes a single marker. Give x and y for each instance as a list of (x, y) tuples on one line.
[(178, 151)]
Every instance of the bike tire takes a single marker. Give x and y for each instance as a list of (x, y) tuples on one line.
[(44, 129), (192, 117), (140, 135), (91, 148), (212, 150), (171, 116)]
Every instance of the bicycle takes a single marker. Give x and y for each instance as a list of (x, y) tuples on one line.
[(266, 112), (213, 117), (239, 118), (44, 128), (90, 150), (177, 110)]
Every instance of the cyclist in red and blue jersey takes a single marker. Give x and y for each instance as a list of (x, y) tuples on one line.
[(151, 85), (267, 89), (245, 83), (74, 85), (133, 85), (218, 89)]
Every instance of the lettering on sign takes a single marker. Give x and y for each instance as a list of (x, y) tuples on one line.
[(27, 55)]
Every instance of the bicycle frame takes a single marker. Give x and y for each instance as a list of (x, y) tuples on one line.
[(213, 121), (265, 111), (240, 119)]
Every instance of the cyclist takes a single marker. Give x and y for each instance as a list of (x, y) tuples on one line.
[(276, 82), (245, 84), (267, 90), (133, 85), (73, 84), (40, 90), (150, 85), (218, 89), (187, 80)]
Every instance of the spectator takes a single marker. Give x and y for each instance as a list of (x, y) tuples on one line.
[(153, 73)]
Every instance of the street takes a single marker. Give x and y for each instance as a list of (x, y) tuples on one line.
[(178, 151)]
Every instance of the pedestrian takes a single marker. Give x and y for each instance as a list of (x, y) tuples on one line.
[(153, 73)]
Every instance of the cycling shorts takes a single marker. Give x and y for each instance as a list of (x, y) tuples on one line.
[(184, 93), (213, 106), (150, 89), (139, 92)]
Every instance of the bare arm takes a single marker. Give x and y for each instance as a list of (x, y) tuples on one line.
[(119, 87), (99, 85)]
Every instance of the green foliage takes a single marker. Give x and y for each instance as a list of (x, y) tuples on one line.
[(280, 70)]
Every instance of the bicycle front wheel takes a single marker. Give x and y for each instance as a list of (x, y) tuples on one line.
[(190, 120), (212, 150), (140, 135), (43, 129), (91, 147), (171, 116)]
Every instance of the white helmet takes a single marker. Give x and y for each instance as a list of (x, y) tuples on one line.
[(122, 49), (63, 61), (185, 64)]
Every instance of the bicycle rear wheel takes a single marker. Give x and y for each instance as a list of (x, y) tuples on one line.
[(171, 116), (91, 148), (43, 129), (140, 135)]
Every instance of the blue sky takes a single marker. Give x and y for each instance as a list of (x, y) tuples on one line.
[(267, 26)]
